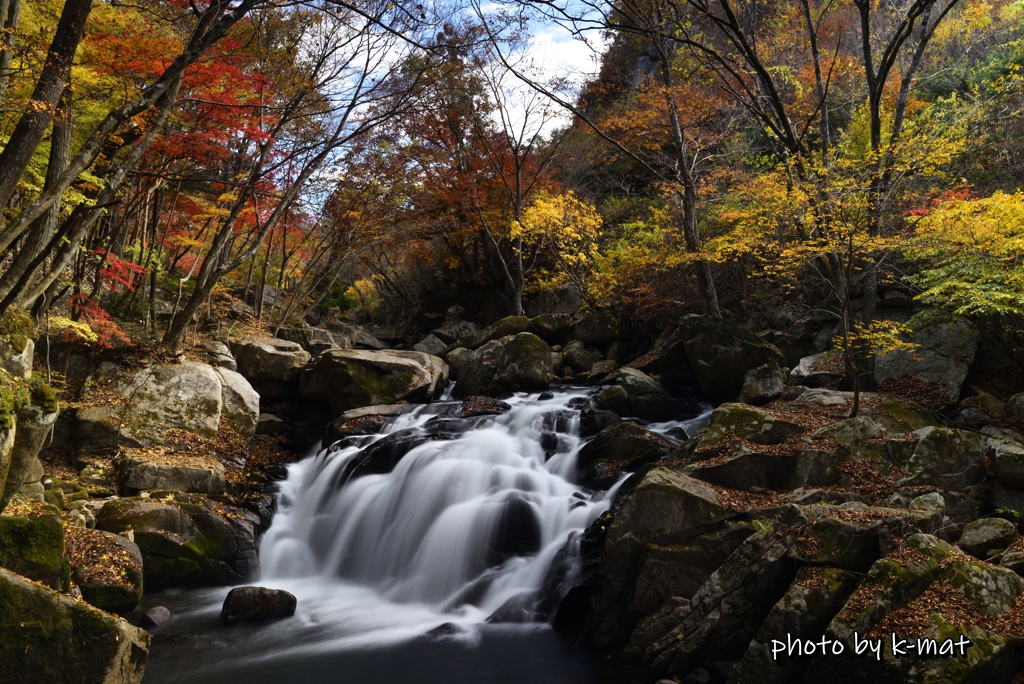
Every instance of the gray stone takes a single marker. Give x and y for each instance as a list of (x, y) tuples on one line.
[(110, 574), (984, 536), (721, 353), (430, 345), (185, 396), (665, 508), (743, 421), (952, 459), (1015, 405), (138, 474), (944, 354), (614, 399), (516, 363), (823, 397), (622, 447), (50, 637), (1007, 459), (601, 327), (456, 360), (314, 340), (814, 468), (352, 378), (805, 374), (30, 434), (579, 358), (157, 616), (510, 325), (746, 470), (453, 331), (241, 403), (220, 355), (269, 424), (358, 337), (762, 384), (186, 540), (636, 382), (273, 360), (17, 363), (897, 299), (552, 328), (562, 299)]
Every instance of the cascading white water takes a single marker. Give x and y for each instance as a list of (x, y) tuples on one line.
[(457, 528)]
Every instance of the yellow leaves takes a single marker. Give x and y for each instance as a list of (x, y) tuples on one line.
[(74, 330), (881, 337)]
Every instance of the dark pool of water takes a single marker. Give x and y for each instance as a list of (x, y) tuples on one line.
[(196, 649)]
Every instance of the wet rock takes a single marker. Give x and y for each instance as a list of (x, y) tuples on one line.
[(947, 458), (33, 546), (444, 630), (517, 363), (186, 540), (516, 531), (579, 358), (614, 399), (622, 447), (256, 604), (944, 354), (157, 616), (483, 406), (984, 538), (806, 374), (353, 378), (593, 421), (511, 325), (762, 384), (50, 637), (107, 568), (665, 508)]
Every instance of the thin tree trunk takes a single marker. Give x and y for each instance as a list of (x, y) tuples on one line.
[(10, 19)]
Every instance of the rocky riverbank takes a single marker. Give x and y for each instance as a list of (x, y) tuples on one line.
[(781, 516)]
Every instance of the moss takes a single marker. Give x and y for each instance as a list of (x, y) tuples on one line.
[(42, 395), (33, 546), (14, 396), (17, 328)]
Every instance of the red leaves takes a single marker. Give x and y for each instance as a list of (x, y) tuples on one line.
[(118, 273), (108, 333)]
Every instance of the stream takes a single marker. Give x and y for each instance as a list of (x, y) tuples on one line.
[(443, 568)]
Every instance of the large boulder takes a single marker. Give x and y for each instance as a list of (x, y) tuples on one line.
[(17, 348), (256, 604), (241, 403), (818, 370), (155, 401), (510, 325), (272, 366), (665, 508), (352, 378), (314, 340), (601, 327), (620, 448), (519, 362), (6, 448), (47, 637), (947, 458), (186, 541), (944, 354), (987, 537), (562, 299), (165, 470), (579, 358), (720, 354), (430, 345), (453, 331), (106, 567), (552, 328), (32, 543), (456, 360), (742, 421), (762, 384), (1007, 457), (33, 429)]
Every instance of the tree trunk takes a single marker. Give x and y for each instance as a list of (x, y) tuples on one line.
[(43, 227), (28, 133), (10, 19)]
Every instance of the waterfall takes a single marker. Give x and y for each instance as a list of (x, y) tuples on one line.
[(467, 522)]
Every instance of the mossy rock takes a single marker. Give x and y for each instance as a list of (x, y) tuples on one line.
[(17, 328), (107, 568), (33, 546), (745, 422), (46, 637)]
